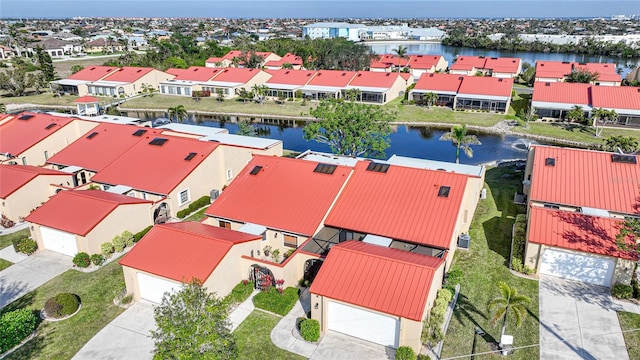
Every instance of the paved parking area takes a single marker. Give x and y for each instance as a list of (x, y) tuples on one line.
[(126, 337), (31, 272), (578, 321), (334, 345)]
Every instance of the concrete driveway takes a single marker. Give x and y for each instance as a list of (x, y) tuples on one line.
[(126, 337), (578, 321), (335, 345), (31, 272)]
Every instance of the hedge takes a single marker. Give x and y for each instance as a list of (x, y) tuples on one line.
[(432, 329), (519, 240), (97, 259), (271, 300), (15, 326), (142, 233), (310, 329), (195, 205), (622, 291), (241, 292)]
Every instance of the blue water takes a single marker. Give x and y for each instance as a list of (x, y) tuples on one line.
[(450, 53)]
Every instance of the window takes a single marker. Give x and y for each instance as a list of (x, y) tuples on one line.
[(144, 196), (24, 161), (224, 224), (290, 241), (184, 197), (444, 191), (46, 155), (229, 174)]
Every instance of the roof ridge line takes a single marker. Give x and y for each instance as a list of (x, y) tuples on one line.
[(389, 258)]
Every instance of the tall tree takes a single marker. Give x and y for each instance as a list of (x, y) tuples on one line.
[(45, 64), (350, 128), (602, 117), (16, 80), (627, 144), (507, 302), (576, 114), (458, 136), (193, 324), (582, 76), (429, 98), (401, 52), (178, 113)]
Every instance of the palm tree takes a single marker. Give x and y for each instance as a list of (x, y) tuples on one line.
[(401, 52), (429, 98), (626, 144), (260, 91), (458, 136), (602, 117), (576, 114), (509, 301), (179, 113)]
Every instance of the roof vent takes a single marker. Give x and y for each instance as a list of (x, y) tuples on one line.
[(550, 162), (26, 117), (461, 78), (378, 167), (50, 126), (256, 169), (325, 168), (92, 135), (500, 80), (494, 58), (139, 132), (191, 156), (444, 191), (621, 158), (566, 62), (92, 68), (140, 70), (286, 72), (547, 84), (158, 141)]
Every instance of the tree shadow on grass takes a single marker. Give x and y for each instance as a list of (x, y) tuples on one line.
[(28, 350), (466, 310), (498, 240), (573, 127)]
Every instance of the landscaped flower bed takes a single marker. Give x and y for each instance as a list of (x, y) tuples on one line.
[(61, 306), (274, 301), (241, 292)]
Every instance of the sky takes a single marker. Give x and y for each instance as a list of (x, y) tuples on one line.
[(317, 8)]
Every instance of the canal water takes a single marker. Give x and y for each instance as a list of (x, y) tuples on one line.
[(451, 52), (419, 141)]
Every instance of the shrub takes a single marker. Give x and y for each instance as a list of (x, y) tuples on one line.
[(107, 249), (432, 329), (271, 300), (622, 291), (183, 213), (82, 260), (142, 233), (310, 330), (118, 243), (15, 326), (635, 286), (454, 277), (97, 259), (405, 353), (25, 245), (61, 305), (241, 292), (127, 237)]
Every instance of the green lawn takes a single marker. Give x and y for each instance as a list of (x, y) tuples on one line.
[(43, 99), (254, 338), (6, 240), (4, 264), (574, 132), (630, 321), (62, 340), (197, 216), (484, 265)]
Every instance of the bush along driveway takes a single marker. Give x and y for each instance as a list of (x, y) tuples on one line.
[(483, 266)]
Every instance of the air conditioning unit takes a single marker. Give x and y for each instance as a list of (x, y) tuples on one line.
[(213, 194), (464, 241)]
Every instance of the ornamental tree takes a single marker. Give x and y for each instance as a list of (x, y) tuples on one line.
[(350, 128), (193, 324)]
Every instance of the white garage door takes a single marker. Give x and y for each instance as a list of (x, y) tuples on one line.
[(59, 241), (363, 324), (590, 269), (152, 288)]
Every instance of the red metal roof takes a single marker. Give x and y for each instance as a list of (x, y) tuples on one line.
[(96, 151), (424, 61), (79, 211), (576, 231), (486, 85), (183, 251), (17, 135), (553, 69), (288, 58), (128, 74), (291, 77), (584, 178), (389, 60), (214, 60), (503, 64), (286, 194), (86, 99), (439, 82), (93, 73), (153, 168), (391, 281), (333, 78), (468, 63), (374, 79), (616, 97), (175, 71), (197, 73), (401, 204), (13, 177), (562, 92), (236, 75)]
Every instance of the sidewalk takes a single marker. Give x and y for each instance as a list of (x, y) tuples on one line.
[(15, 228), (237, 315), (285, 334)]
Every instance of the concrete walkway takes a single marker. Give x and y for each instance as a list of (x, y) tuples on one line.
[(242, 311), (11, 255), (578, 321), (17, 227), (29, 273), (126, 337)]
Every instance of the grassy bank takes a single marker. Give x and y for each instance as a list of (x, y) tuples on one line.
[(484, 265), (63, 339)]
